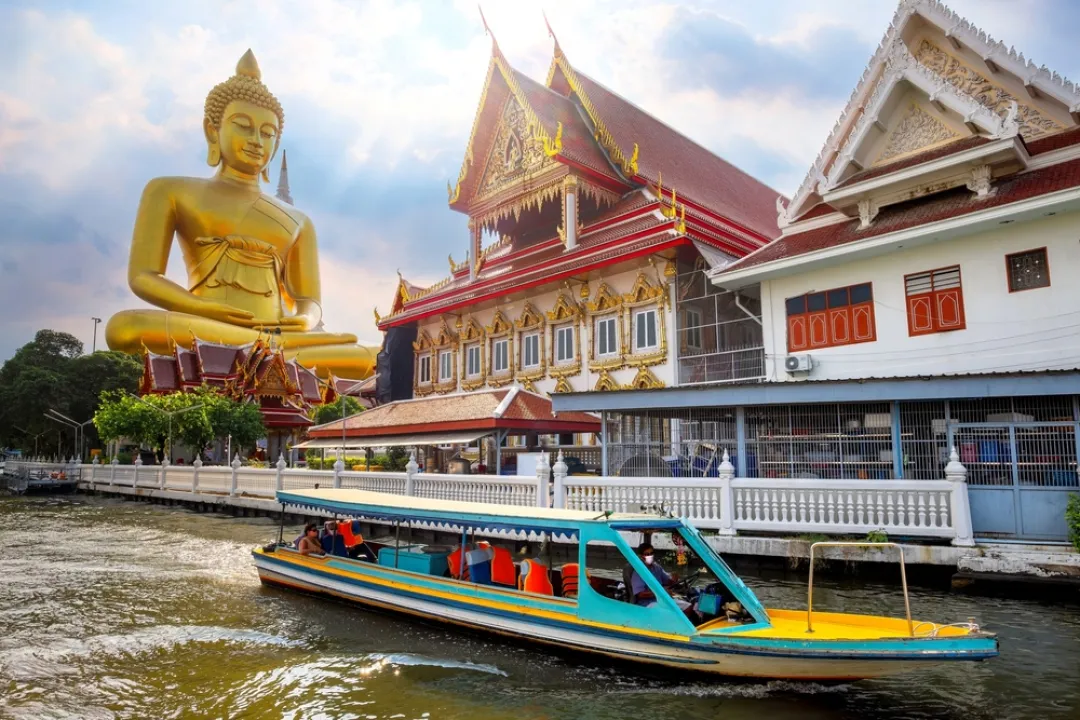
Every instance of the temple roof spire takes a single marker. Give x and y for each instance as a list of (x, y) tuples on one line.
[(487, 31), (283, 181), (551, 33)]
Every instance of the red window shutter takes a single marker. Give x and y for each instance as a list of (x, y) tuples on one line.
[(819, 329), (920, 310), (862, 322), (840, 326), (796, 333), (949, 306)]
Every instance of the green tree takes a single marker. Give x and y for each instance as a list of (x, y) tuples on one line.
[(198, 418), (50, 372), (331, 412)]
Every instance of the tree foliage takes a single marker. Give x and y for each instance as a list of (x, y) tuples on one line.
[(51, 373), (331, 412), (198, 418)]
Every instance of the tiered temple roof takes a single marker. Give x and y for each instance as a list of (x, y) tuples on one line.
[(643, 188), (284, 389)]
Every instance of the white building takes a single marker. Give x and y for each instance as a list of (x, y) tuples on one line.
[(921, 295)]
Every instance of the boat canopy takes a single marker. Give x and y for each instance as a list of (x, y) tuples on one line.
[(481, 516)]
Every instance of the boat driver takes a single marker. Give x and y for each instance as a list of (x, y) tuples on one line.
[(642, 594)]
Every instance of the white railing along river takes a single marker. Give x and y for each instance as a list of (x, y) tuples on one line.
[(725, 504)]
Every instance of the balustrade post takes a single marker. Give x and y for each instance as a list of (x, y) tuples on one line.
[(195, 468), (543, 476), (280, 479), (339, 467), (234, 481), (135, 473), (956, 474), (163, 471), (559, 470), (411, 468), (112, 470), (727, 496), (94, 465)]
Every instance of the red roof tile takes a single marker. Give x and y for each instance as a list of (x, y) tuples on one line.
[(916, 159), (163, 373), (189, 370), (1063, 139), (689, 168), (902, 216), (465, 411), (217, 359), (578, 144)]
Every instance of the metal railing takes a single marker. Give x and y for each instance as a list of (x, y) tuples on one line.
[(903, 579)]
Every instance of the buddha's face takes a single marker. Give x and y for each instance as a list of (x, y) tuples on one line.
[(247, 137)]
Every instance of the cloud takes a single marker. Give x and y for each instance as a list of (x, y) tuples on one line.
[(379, 100)]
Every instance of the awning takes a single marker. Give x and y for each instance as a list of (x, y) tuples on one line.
[(460, 438)]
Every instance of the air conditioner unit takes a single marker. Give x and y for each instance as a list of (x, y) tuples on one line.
[(798, 363)]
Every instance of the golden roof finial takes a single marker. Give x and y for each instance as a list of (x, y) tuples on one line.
[(632, 165), (551, 33), (487, 31), (553, 148)]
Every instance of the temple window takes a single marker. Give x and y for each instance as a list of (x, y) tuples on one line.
[(692, 321), (1028, 270), (500, 356), (424, 370), (564, 344), (606, 337), (446, 366), (841, 316), (935, 301), (645, 335), (472, 360), (530, 350)]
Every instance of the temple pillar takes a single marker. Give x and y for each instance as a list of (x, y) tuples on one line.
[(570, 211), (475, 232)]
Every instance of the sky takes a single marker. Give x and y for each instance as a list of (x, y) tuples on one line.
[(379, 97)]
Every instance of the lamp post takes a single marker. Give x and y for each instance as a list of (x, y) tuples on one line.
[(170, 414), (97, 321), (53, 414), (29, 434), (342, 394)]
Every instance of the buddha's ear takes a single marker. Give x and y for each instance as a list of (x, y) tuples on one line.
[(213, 150)]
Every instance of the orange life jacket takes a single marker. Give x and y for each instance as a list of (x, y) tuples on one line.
[(503, 571), (351, 540), (534, 578)]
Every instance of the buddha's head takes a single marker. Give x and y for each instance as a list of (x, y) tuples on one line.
[(243, 121)]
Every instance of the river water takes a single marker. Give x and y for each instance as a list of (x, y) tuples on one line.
[(127, 610)]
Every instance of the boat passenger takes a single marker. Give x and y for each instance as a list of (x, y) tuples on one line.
[(332, 541), (641, 592), (309, 543)]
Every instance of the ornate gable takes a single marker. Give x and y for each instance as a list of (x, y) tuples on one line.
[(499, 325), (473, 332), (423, 342), (530, 318), (517, 152), (935, 78), (446, 338), (644, 291)]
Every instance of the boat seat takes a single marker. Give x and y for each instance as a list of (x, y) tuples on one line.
[(534, 578), (454, 562), (568, 574), (503, 569)]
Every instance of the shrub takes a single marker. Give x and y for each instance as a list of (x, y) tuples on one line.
[(877, 536), (1072, 519)]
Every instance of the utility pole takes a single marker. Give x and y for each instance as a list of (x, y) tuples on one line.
[(97, 321)]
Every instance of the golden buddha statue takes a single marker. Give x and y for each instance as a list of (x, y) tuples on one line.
[(252, 260)]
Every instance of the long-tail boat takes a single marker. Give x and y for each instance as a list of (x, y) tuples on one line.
[(724, 630)]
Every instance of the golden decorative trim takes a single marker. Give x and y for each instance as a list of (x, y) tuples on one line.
[(553, 148), (606, 300), (645, 380), (500, 329), (605, 382), (565, 312), (530, 321), (445, 341), (562, 385), (378, 318), (528, 386), (670, 270), (472, 335)]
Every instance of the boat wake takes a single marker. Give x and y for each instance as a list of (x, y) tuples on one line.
[(382, 661)]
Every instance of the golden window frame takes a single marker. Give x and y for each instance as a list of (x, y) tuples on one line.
[(565, 312), (530, 321), (446, 340), (472, 334), (500, 329), (644, 295)]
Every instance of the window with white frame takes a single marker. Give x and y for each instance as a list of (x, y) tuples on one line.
[(446, 366), (606, 341), (424, 370), (645, 331), (564, 344), (472, 360), (530, 351), (692, 320), (500, 356)]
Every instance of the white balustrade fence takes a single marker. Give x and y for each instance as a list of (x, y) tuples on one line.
[(901, 507), (924, 508), (501, 490)]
